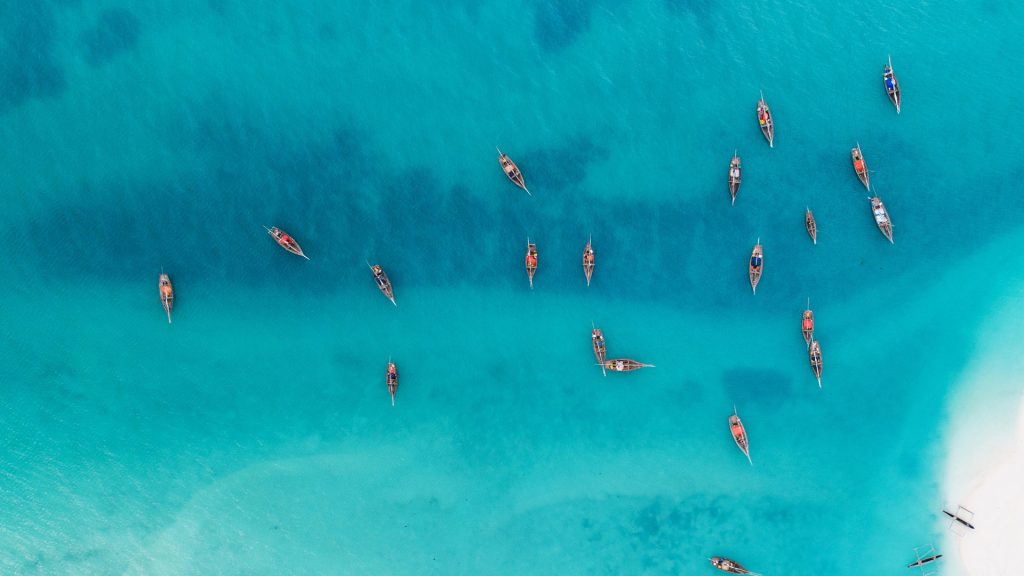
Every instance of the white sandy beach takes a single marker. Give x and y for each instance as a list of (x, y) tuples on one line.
[(985, 465)]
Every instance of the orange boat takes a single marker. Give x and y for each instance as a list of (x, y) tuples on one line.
[(734, 177), (597, 341), (391, 379), (739, 434), (166, 294), (756, 265), (811, 225), (511, 170), (531, 260), (588, 262), (807, 324), (815, 355), (625, 365), (860, 167), (383, 282), (286, 241), (764, 120)]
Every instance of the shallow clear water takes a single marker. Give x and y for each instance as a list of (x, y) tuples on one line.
[(255, 434)]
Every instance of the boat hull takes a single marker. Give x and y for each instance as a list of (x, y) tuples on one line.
[(756, 267), (811, 226)]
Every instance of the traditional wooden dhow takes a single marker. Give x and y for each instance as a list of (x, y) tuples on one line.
[(881, 217), (588, 262), (531, 260), (735, 171), (891, 84), (730, 566), (764, 120), (512, 171), (166, 294), (285, 241), (811, 225), (807, 324), (597, 342), (391, 379), (860, 167), (739, 434), (625, 365), (756, 265), (383, 283), (815, 356)]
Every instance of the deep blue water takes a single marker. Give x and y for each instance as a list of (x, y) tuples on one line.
[(255, 435)]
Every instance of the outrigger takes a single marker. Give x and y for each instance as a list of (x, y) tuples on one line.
[(815, 356), (892, 85), (927, 556), (961, 519), (531, 260), (597, 342), (734, 176), (391, 379), (739, 434), (756, 265), (881, 217), (811, 225), (588, 261), (860, 167), (764, 120), (807, 324), (730, 566), (285, 241), (383, 282), (625, 365), (511, 170), (166, 294)]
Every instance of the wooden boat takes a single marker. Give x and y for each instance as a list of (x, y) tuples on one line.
[(957, 518), (383, 282), (391, 379), (286, 241), (531, 260), (588, 262), (892, 85), (511, 170), (815, 355), (756, 265), (166, 294), (807, 324), (923, 561), (624, 365), (881, 217), (860, 167), (730, 566), (735, 171), (764, 120), (811, 225), (739, 434), (597, 341)]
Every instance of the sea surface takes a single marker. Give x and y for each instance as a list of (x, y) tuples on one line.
[(255, 435)]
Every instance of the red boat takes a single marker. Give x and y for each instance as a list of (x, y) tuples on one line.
[(391, 379), (166, 294), (860, 167), (588, 262), (739, 434), (597, 341), (531, 260), (625, 365), (734, 177), (815, 355), (286, 241), (756, 265), (764, 120), (807, 324), (512, 171)]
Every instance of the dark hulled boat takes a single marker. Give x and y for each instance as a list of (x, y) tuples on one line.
[(756, 265), (512, 171), (811, 225), (764, 120), (285, 241), (739, 434), (924, 561), (815, 356), (625, 365), (588, 262), (391, 379), (383, 283), (597, 342), (531, 260), (730, 566), (881, 217), (891, 84), (166, 294), (860, 167), (735, 172)]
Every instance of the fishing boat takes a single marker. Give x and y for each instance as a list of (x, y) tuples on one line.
[(860, 167), (925, 560), (811, 225), (735, 170), (286, 241), (391, 379), (531, 260), (739, 434), (383, 282), (881, 217), (624, 365), (597, 341), (511, 170), (166, 294), (815, 356), (764, 120), (756, 265), (892, 85), (807, 324), (588, 262), (730, 566)]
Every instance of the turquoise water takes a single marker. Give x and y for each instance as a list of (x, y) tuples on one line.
[(255, 434)]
